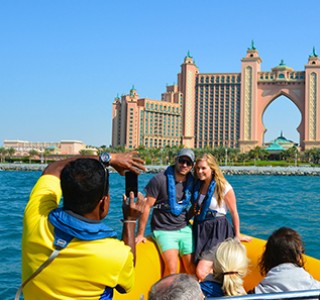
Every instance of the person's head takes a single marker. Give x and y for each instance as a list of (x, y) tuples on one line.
[(176, 287), (85, 184), (206, 169), (283, 246), (184, 161), (230, 265)]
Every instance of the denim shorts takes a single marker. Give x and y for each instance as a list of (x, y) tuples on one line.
[(180, 239)]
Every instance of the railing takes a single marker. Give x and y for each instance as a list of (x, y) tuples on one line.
[(297, 295)]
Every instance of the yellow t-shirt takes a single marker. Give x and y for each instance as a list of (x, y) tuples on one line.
[(83, 269)]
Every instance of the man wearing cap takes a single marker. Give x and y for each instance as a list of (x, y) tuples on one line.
[(169, 194)]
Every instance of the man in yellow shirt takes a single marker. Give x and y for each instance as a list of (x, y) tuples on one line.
[(93, 261)]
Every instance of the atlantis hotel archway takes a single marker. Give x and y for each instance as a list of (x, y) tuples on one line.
[(259, 89), (219, 109)]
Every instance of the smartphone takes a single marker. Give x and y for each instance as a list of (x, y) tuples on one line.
[(131, 183)]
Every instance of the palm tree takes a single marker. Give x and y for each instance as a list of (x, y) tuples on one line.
[(11, 151), (312, 156), (32, 153), (258, 153), (3, 153)]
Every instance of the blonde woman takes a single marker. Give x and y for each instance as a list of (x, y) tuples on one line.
[(230, 264), (213, 197)]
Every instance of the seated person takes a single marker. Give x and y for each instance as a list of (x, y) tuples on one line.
[(230, 265), (282, 263), (176, 287)]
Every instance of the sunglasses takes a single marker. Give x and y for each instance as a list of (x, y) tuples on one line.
[(185, 161)]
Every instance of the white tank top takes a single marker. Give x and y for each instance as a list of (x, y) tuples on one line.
[(223, 209)]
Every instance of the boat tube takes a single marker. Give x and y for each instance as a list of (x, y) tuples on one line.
[(149, 268)]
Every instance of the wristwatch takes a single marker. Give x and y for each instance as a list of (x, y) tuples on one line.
[(105, 158)]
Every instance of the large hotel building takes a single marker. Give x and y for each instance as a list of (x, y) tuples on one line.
[(219, 109)]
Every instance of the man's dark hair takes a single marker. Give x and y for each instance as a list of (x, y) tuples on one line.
[(283, 246), (83, 183)]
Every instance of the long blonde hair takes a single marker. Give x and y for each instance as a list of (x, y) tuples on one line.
[(216, 174), (230, 264)]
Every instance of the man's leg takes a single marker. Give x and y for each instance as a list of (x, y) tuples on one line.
[(188, 264), (168, 246), (171, 260), (186, 249)]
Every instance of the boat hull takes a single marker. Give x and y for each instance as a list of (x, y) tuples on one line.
[(149, 268)]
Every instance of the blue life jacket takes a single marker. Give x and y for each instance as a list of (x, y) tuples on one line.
[(204, 207), (176, 208), (67, 226)]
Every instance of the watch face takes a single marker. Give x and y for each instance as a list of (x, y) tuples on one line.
[(105, 157)]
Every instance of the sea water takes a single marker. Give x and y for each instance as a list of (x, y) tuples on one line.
[(265, 203)]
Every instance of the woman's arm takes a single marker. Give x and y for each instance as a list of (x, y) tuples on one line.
[(230, 200)]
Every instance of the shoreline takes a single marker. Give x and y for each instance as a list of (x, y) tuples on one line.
[(227, 170)]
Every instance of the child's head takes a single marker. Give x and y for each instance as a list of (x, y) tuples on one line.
[(230, 264), (283, 246)]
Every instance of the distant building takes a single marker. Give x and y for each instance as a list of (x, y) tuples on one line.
[(66, 147), (280, 144), (219, 109), (147, 122)]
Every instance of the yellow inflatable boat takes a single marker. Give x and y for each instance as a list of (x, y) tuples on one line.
[(149, 268)]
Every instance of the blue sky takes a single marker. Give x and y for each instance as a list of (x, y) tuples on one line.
[(63, 62)]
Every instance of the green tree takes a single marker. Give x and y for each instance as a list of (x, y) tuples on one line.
[(3, 153), (312, 156), (32, 154), (243, 157), (87, 152), (11, 152), (290, 154), (258, 153)]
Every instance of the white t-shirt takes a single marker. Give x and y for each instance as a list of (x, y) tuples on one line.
[(214, 203), (285, 278)]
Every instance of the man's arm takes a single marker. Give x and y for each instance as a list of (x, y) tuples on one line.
[(144, 219), (119, 161), (131, 213)]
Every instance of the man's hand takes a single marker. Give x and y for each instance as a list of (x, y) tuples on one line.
[(127, 161), (133, 210)]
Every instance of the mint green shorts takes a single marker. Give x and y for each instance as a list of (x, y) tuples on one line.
[(180, 239)]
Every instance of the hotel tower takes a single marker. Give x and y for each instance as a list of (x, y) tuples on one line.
[(219, 109)]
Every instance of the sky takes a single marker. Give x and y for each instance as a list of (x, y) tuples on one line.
[(63, 62)]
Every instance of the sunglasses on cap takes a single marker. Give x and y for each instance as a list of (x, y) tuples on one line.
[(185, 161)]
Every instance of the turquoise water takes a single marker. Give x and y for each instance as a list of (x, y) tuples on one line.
[(265, 203)]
